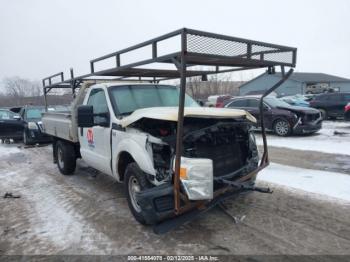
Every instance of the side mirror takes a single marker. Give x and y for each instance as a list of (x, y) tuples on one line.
[(85, 116), (103, 119), (17, 117)]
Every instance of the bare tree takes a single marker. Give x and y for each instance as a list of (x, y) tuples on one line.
[(20, 87), (16, 89), (216, 85)]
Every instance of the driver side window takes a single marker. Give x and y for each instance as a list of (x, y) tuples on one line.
[(97, 99), (4, 115)]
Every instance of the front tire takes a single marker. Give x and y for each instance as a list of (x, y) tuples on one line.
[(26, 140), (66, 160), (282, 127), (135, 180), (324, 114)]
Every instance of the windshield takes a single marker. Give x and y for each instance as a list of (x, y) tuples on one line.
[(275, 102), (34, 113), (127, 99)]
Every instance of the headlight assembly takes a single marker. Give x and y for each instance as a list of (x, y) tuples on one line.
[(196, 175), (32, 126)]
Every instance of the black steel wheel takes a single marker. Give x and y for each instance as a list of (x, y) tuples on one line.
[(26, 139), (66, 159)]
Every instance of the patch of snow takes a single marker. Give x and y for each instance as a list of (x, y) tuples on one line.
[(331, 184), (7, 150), (54, 219), (323, 141)]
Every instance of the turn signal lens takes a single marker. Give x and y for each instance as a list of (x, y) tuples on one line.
[(183, 173)]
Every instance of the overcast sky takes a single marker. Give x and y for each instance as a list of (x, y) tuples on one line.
[(40, 37)]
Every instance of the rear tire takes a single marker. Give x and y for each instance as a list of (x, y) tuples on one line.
[(66, 159), (282, 127), (135, 180)]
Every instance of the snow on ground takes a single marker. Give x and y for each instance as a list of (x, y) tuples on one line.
[(331, 184), (6, 150), (323, 141)]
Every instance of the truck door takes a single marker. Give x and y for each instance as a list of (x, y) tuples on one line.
[(95, 141)]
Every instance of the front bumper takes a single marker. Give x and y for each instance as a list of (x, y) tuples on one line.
[(307, 128), (157, 203)]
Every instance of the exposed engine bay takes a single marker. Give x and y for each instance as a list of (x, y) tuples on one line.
[(229, 143)]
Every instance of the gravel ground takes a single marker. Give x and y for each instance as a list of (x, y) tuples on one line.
[(87, 213)]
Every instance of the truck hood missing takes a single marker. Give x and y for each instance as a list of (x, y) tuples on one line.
[(171, 114)]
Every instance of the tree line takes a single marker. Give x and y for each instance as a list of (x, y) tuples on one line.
[(19, 91)]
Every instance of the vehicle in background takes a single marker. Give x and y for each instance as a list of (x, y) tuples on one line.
[(259, 93), (201, 102), (211, 101), (15, 109), (32, 131), (279, 116), (217, 100), (306, 97), (11, 125), (347, 112), (320, 88), (295, 101), (331, 105)]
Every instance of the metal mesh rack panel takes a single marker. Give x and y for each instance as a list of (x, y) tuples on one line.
[(208, 45), (214, 46)]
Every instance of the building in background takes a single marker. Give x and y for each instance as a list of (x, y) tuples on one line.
[(298, 83)]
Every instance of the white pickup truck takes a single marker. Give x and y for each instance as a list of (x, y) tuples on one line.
[(128, 131)]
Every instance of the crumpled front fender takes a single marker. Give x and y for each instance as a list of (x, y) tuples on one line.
[(136, 147)]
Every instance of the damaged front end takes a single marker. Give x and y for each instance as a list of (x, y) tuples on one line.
[(216, 152)]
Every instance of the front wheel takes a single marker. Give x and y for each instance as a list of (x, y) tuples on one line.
[(66, 160), (282, 127), (26, 140), (135, 181)]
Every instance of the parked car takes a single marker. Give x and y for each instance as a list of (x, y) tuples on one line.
[(217, 100), (32, 131), (15, 109), (331, 105), (279, 116), (319, 89), (201, 102), (260, 92), (11, 125), (306, 97), (347, 112), (295, 101)]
